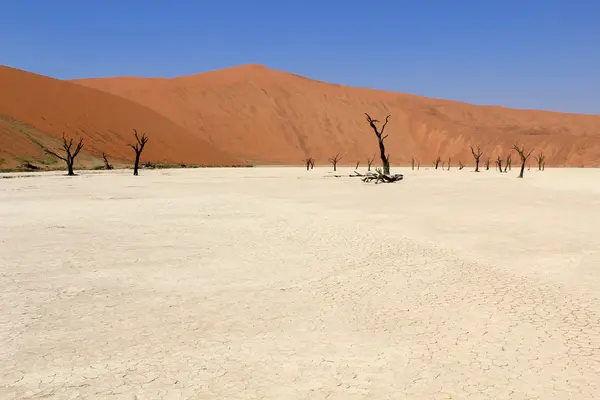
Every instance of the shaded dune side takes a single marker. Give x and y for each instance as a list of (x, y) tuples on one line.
[(50, 107)]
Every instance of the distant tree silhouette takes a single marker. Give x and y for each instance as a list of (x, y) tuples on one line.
[(370, 163), (541, 160), (334, 161), (70, 153), (138, 148), (106, 164), (521, 151), (436, 163), (476, 155)]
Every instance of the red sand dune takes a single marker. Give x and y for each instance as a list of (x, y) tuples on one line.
[(268, 116), (35, 111)]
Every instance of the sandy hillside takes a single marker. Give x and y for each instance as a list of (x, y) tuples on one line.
[(271, 116), (277, 283), (35, 111)]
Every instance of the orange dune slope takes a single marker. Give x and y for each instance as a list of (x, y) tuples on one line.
[(269, 116), (35, 111)]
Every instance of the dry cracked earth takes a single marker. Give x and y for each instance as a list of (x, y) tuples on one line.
[(277, 283)]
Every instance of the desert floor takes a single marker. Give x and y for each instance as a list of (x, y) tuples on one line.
[(279, 283)]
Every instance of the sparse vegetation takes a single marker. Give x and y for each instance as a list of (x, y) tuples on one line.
[(436, 163), (477, 156), (310, 163), (107, 165), (370, 163), (138, 148), (524, 157), (334, 161), (541, 160), (499, 163), (460, 165), (385, 158), (70, 153)]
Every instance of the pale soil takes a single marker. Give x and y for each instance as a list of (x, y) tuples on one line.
[(281, 284)]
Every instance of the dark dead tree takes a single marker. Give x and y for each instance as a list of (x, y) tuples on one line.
[(521, 151), (370, 162), (357, 164), (436, 163), (106, 163), (499, 162), (460, 165), (487, 165), (541, 160), (508, 163), (477, 157), (309, 162), (385, 159), (334, 161), (138, 147), (70, 153), (413, 163), (449, 159)]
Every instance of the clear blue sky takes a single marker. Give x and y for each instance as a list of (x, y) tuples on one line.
[(541, 54)]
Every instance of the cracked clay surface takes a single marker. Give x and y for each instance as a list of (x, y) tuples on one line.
[(274, 283)]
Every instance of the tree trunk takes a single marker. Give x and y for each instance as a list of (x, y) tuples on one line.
[(384, 160), (137, 163), (70, 167), (334, 167), (522, 169), (477, 165)]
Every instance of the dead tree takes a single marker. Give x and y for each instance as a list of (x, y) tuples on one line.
[(334, 161), (413, 163), (385, 158), (106, 164), (357, 164), (499, 162), (541, 160), (418, 165), (449, 159), (460, 165), (487, 165), (436, 163), (70, 154), (370, 162), (476, 156), (138, 147), (508, 163), (309, 163), (521, 151)]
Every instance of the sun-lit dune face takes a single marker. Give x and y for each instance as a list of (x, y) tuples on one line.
[(36, 110), (270, 116)]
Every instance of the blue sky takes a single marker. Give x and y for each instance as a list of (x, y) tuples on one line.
[(542, 54)]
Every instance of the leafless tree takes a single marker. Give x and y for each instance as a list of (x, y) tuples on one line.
[(418, 165), (385, 158), (521, 151), (357, 164), (370, 162), (487, 165), (460, 165), (508, 163), (334, 161), (436, 163), (413, 163), (70, 153), (309, 163), (138, 147), (499, 162), (106, 163), (449, 159), (541, 160), (476, 155)]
